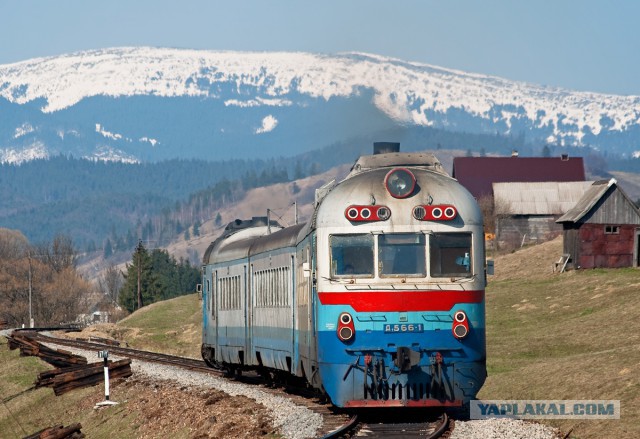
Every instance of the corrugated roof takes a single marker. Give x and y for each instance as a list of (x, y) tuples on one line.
[(588, 200), (546, 198), (477, 174)]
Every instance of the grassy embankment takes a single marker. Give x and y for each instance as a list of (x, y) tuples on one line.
[(569, 336), (172, 326), (573, 335)]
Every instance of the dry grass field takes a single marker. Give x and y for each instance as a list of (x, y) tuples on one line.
[(571, 336)]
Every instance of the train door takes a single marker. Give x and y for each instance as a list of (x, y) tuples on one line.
[(210, 327), (214, 311), (247, 316), (207, 301), (251, 300), (313, 315), (303, 323), (293, 304)]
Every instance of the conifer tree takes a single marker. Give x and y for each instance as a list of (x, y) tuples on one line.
[(161, 277), (108, 251), (136, 291)]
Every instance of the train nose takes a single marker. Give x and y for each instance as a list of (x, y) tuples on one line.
[(406, 358)]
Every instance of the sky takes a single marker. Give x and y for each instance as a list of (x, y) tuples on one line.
[(585, 45)]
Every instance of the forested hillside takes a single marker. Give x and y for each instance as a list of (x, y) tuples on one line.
[(96, 201), (109, 206)]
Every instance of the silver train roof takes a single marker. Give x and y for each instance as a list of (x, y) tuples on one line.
[(397, 159)]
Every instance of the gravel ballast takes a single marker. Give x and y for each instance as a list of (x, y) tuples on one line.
[(502, 429), (293, 421)]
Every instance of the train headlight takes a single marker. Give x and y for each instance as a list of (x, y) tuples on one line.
[(460, 326), (400, 182), (346, 329)]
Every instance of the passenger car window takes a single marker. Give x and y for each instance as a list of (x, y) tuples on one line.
[(450, 254), (401, 254), (352, 255)]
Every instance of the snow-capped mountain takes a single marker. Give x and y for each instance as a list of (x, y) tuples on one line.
[(142, 104)]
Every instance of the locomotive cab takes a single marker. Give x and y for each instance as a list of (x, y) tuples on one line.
[(400, 286)]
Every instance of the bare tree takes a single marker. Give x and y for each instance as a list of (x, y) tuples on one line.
[(62, 298), (39, 282), (494, 213), (59, 254), (14, 291), (110, 283), (13, 244), (485, 203)]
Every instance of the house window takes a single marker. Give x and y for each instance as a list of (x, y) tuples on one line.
[(611, 230)]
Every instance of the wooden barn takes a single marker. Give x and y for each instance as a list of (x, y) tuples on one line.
[(527, 212), (602, 230)]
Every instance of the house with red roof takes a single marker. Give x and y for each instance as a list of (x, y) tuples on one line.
[(478, 174)]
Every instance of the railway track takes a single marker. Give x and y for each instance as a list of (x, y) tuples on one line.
[(154, 357), (336, 424), (430, 429), (365, 427)]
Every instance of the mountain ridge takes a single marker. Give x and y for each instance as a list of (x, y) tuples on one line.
[(258, 100)]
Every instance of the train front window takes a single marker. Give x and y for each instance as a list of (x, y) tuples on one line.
[(450, 254), (401, 254), (352, 255)]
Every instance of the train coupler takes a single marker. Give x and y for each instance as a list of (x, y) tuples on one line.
[(406, 358)]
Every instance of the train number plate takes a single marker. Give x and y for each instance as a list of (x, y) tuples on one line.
[(404, 327)]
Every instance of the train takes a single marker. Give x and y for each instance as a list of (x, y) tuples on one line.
[(378, 300)]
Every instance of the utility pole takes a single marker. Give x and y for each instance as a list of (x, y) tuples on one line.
[(139, 254), (268, 221), (30, 288), (29, 255)]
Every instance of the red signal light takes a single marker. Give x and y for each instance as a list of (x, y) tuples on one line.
[(367, 213), (460, 326), (442, 212), (346, 329)]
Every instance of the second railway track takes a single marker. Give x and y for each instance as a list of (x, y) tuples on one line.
[(154, 357)]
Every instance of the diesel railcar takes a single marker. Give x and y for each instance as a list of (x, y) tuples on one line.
[(376, 301)]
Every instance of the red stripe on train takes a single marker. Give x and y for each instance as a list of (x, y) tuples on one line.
[(364, 301)]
